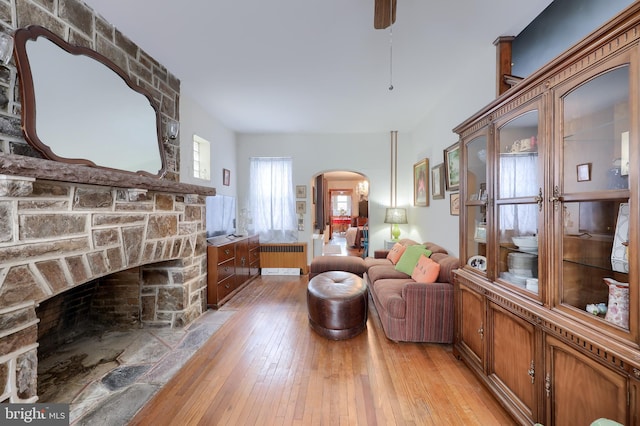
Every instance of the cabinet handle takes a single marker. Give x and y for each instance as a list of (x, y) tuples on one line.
[(539, 199), (227, 251), (227, 286), (532, 372), (481, 331)]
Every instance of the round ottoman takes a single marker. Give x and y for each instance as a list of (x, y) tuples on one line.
[(337, 304)]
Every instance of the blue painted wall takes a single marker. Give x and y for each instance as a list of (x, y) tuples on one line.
[(561, 25)]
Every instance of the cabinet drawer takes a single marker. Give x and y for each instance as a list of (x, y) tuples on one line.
[(226, 269), (226, 252), (225, 287)]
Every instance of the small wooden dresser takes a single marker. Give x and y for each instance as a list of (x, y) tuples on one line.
[(231, 264)]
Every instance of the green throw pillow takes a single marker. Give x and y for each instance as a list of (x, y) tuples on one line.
[(410, 258)]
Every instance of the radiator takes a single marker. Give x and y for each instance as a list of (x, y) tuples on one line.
[(284, 255)]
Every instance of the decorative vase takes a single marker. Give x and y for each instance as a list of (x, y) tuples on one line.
[(618, 307)]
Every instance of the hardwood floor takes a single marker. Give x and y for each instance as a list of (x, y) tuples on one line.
[(266, 366)]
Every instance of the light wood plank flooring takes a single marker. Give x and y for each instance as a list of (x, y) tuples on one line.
[(266, 366)]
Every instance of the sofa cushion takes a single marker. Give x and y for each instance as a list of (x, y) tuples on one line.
[(435, 248), (410, 258), (426, 271), (372, 261), (378, 272), (396, 252)]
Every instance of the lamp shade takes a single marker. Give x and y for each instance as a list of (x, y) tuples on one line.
[(395, 215)]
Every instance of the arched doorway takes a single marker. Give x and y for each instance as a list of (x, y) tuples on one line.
[(341, 202)]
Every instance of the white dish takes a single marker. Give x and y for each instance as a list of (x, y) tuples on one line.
[(521, 272), (478, 262), (526, 242), (514, 279)]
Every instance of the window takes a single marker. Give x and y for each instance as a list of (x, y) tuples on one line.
[(201, 158), (273, 199), (341, 203)]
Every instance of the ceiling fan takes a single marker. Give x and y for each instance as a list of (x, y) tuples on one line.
[(384, 13)]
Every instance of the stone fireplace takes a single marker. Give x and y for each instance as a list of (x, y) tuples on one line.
[(140, 240), (147, 249)]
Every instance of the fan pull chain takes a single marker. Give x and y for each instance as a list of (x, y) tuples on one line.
[(390, 44)]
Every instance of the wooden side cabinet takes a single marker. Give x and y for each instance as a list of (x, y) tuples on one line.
[(231, 265)]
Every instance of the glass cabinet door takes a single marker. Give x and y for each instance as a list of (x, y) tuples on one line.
[(592, 196), (475, 214), (518, 201)]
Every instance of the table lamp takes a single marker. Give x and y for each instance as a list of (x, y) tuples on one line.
[(395, 216)]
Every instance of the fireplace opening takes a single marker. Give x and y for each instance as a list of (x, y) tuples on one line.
[(70, 325)]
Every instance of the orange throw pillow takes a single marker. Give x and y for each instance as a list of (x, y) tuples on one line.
[(426, 271), (396, 252)]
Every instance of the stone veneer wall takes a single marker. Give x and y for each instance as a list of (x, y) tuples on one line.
[(78, 24), (57, 235)]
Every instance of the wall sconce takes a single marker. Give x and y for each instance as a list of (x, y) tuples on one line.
[(171, 130), (395, 216), (6, 48)]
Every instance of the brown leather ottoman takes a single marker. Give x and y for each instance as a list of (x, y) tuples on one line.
[(337, 304)]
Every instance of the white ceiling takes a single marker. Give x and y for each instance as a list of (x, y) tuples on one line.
[(316, 66)]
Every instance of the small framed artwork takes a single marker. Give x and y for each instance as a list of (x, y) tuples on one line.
[(452, 167), (454, 204), (421, 183), (301, 207), (301, 191), (437, 182), (480, 236), (584, 172), (226, 177)]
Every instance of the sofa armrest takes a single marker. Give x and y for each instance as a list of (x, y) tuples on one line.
[(429, 312), (380, 254)]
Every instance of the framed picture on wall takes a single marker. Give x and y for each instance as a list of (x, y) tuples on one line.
[(421, 183), (226, 177), (301, 207), (437, 182), (452, 167), (454, 204), (301, 191)]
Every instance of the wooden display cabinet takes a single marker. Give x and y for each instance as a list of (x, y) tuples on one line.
[(550, 196)]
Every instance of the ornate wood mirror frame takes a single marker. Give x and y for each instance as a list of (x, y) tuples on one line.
[(88, 110)]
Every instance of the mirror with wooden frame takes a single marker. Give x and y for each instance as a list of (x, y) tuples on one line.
[(80, 107)]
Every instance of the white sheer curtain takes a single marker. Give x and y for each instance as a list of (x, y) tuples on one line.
[(272, 199), (518, 178)]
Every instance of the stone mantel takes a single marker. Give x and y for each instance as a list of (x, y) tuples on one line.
[(18, 165)]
